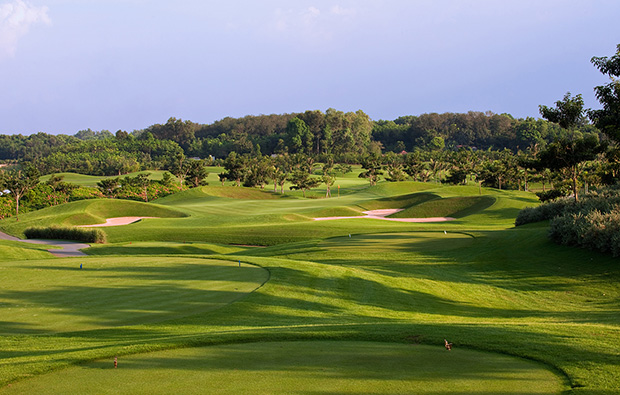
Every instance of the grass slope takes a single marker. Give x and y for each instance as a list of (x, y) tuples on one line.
[(477, 281), (86, 212)]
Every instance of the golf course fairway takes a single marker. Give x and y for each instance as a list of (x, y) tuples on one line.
[(311, 367), (235, 288)]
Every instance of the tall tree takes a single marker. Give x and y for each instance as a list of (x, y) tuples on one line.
[(372, 166), (568, 153), (607, 119), (299, 136), (197, 172), (568, 112), (19, 182), (302, 180)]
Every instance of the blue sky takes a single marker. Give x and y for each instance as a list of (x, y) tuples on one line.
[(68, 65)]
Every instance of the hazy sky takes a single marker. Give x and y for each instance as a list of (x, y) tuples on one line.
[(67, 65)]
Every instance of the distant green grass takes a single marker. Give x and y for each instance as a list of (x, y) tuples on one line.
[(302, 367)]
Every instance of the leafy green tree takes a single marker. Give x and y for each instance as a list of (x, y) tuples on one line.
[(60, 188), (394, 166), (343, 168), (234, 168), (372, 166), (303, 181), (329, 175), (607, 119), (196, 173), (140, 181), (280, 171), (300, 137), (109, 186), (18, 183), (570, 155), (568, 112)]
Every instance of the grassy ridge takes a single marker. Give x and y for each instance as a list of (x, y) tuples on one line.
[(86, 212)]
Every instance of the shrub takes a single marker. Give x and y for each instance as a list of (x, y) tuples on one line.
[(593, 222), (551, 194), (66, 233)]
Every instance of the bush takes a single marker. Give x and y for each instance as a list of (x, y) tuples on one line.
[(544, 212), (593, 222), (551, 194), (66, 233)]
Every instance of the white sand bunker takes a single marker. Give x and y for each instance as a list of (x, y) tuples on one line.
[(116, 222), (382, 214)]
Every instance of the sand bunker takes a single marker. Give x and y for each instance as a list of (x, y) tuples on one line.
[(116, 222), (382, 214)]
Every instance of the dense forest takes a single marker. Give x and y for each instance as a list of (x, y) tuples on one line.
[(347, 136)]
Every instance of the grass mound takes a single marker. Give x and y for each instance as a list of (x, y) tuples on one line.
[(399, 188), (316, 367), (401, 201), (86, 212), (66, 233), (239, 193), (340, 211), (17, 250), (456, 207)]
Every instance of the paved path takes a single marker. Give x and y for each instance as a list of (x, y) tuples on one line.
[(68, 249)]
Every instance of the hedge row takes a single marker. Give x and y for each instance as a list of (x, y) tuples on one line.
[(66, 233)]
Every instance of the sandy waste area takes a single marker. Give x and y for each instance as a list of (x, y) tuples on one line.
[(383, 213)]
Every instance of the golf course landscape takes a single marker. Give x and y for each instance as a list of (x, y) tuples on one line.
[(223, 289)]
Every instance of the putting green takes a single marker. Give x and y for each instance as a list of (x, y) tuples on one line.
[(55, 295), (318, 367)]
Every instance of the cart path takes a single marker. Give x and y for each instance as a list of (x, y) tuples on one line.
[(68, 249), (383, 213)]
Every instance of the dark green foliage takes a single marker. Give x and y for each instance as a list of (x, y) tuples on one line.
[(607, 119), (594, 230), (593, 222), (66, 233), (549, 195)]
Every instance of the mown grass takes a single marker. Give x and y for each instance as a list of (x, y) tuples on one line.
[(476, 281), (18, 251), (303, 367), (47, 296)]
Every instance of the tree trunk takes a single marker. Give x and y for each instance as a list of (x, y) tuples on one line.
[(575, 183)]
